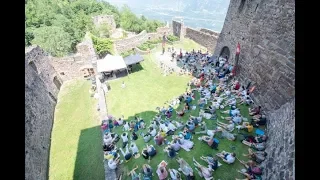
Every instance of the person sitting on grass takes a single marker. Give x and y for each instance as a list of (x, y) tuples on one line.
[(210, 141), (147, 172), (126, 126), (133, 174), (180, 113), (175, 144), (134, 136), (125, 139), (127, 155), (248, 127), (191, 126), (258, 156), (196, 120), (205, 130), (109, 138), (170, 151), (255, 139), (114, 162), (261, 121), (151, 150), (212, 162), (174, 174), (134, 148), (232, 112), (226, 134), (203, 171), (254, 111), (229, 127), (236, 119), (171, 126), (147, 137), (252, 171), (152, 131), (257, 146), (184, 167), (145, 153), (184, 143), (158, 139), (162, 172), (227, 157)]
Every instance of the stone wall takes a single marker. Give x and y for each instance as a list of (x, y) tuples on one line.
[(265, 31), (177, 29), (108, 19), (127, 44), (280, 160), (41, 93), (69, 67), (205, 39), (208, 31)]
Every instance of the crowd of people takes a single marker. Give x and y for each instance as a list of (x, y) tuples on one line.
[(215, 82)]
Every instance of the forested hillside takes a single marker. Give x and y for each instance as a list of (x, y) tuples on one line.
[(58, 25)]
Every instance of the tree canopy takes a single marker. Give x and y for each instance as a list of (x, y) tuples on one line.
[(58, 25)]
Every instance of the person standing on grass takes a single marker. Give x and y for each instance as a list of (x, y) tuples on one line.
[(123, 85)]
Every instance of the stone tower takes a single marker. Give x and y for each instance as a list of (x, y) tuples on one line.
[(266, 33)]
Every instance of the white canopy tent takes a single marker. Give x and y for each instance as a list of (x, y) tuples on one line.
[(111, 63)]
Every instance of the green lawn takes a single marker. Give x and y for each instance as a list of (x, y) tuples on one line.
[(76, 150), (147, 89)]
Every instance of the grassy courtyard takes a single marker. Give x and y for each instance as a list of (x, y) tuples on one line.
[(147, 89), (76, 151)]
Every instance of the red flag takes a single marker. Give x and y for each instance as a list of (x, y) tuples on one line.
[(238, 49)]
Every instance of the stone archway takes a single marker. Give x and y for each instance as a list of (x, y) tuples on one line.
[(225, 52)]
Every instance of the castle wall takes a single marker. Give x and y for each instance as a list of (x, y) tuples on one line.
[(265, 31), (127, 44), (41, 91), (208, 31), (205, 39), (108, 19)]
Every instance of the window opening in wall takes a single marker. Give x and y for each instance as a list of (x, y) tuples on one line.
[(62, 73), (241, 5), (57, 82), (256, 8), (52, 97), (33, 66)]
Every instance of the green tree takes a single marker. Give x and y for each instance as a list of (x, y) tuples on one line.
[(53, 39)]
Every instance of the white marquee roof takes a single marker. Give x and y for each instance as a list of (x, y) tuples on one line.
[(111, 63)]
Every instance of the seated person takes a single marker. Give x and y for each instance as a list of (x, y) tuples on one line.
[(126, 126), (134, 136), (158, 139), (210, 141), (127, 155), (254, 111), (258, 156), (175, 144), (191, 126), (113, 163), (248, 127), (152, 131), (228, 127), (134, 148), (147, 137), (125, 139), (203, 171), (227, 157), (147, 171), (108, 147), (232, 112), (174, 174), (205, 130), (180, 113), (170, 151), (184, 143), (255, 139), (171, 126), (145, 153), (212, 162), (162, 173), (184, 167), (252, 170), (133, 174), (261, 121), (226, 134), (151, 150), (257, 146), (211, 109), (120, 121)]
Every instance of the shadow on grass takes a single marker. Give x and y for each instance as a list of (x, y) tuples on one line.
[(89, 159), (136, 68)]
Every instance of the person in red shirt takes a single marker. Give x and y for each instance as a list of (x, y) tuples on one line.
[(254, 111)]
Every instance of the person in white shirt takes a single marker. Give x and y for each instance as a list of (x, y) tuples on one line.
[(120, 121), (134, 148), (126, 126), (113, 163), (174, 174), (125, 139), (227, 157), (171, 126), (152, 131)]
